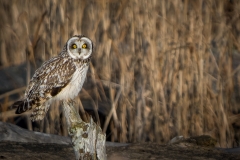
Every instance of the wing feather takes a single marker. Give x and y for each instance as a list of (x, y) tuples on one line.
[(51, 77)]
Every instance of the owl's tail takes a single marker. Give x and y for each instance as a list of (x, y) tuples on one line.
[(22, 106), (39, 109)]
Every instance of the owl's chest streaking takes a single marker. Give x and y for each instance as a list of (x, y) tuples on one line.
[(72, 89)]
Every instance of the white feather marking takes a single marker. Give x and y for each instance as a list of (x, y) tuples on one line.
[(74, 86), (48, 71)]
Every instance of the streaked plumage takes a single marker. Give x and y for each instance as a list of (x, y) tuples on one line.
[(59, 78)]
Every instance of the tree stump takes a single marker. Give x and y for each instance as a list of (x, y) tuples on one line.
[(87, 137)]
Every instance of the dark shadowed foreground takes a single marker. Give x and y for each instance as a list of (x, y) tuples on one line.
[(34, 151), (17, 143)]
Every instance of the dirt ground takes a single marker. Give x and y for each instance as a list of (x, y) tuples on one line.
[(138, 151), (144, 151)]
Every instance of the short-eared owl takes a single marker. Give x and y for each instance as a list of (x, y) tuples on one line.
[(59, 78)]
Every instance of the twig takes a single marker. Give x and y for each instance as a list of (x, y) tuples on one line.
[(12, 92)]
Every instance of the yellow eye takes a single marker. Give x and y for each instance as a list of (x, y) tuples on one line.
[(74, 46), (84, 46)]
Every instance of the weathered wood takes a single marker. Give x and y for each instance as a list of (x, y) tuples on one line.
[(11, 132), (87, 138)]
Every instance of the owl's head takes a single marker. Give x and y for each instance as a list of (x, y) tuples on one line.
[(79, 47)]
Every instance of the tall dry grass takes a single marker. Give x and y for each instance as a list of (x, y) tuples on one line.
[(159, 68)]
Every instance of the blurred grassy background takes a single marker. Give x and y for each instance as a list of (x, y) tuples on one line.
[(160, 68)]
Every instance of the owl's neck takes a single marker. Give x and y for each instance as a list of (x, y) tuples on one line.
[(81, 63), (84, 61)]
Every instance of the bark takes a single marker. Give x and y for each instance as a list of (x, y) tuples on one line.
[(87, 138)]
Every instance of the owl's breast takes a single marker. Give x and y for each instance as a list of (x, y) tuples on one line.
[(72, 89)]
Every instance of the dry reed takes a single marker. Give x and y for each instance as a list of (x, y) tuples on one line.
[(159, 68)]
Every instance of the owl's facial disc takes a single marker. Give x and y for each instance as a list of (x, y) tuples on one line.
[(79, 47)]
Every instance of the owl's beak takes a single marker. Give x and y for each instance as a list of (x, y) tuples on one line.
[(79, 50)]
